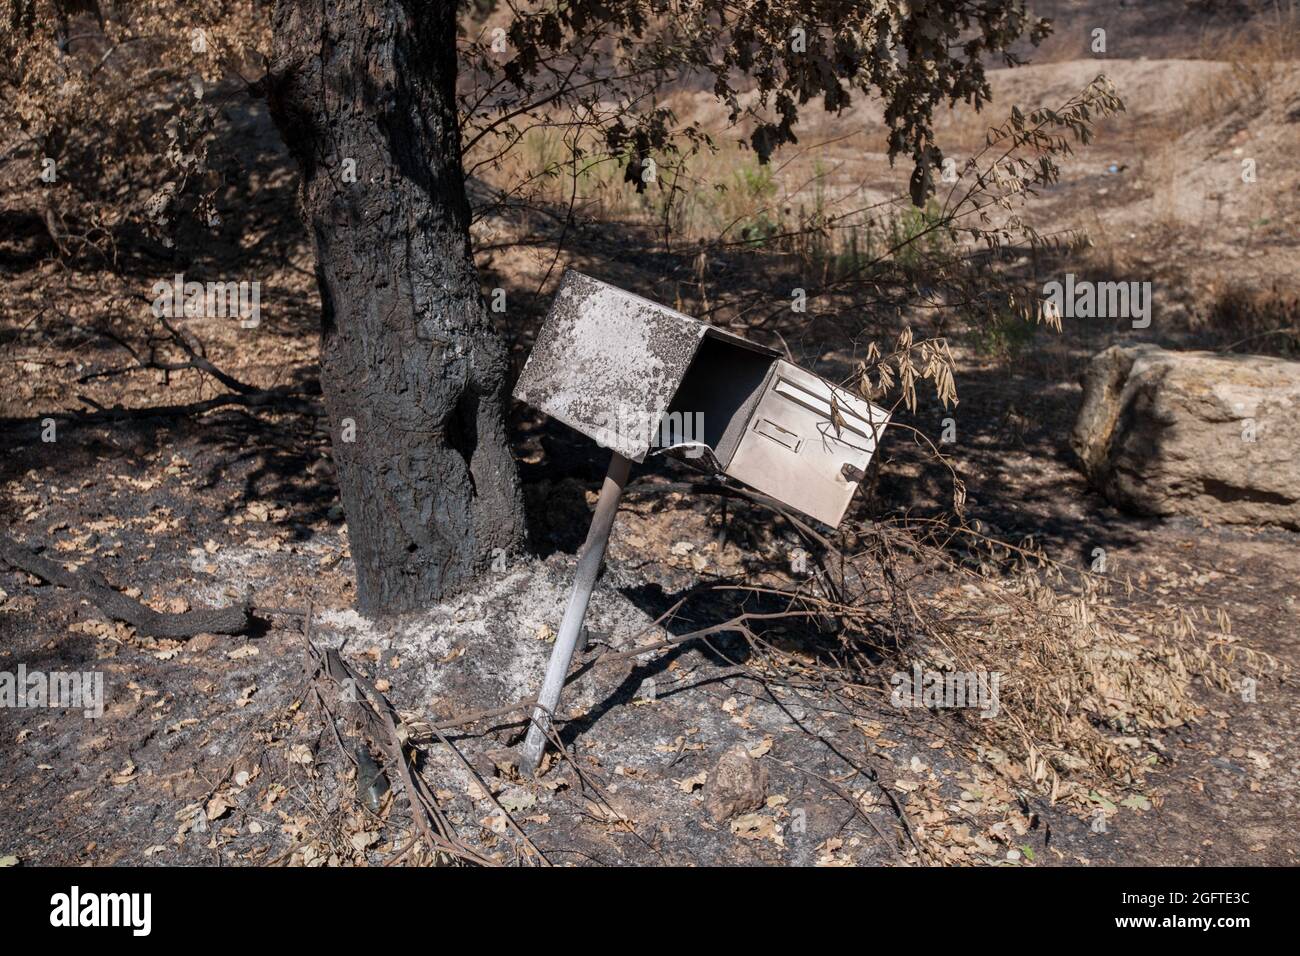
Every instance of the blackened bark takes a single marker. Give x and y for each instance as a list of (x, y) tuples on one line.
[(408, 356)]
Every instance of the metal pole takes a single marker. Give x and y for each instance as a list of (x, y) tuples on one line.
[(584, 580)]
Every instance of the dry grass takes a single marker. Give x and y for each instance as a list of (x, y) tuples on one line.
[(1087, 672), (1258, 53), (1247, 319), (1189, 193), (1088, 676)]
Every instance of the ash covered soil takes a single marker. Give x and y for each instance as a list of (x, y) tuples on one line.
[(218, 749)]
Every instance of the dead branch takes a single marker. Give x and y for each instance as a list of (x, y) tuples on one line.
[(379, 722), (147, 622), (292, 400), (196, 360), (482, 784)]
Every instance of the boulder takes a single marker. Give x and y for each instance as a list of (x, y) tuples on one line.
[(1209, 435), (737, 784)]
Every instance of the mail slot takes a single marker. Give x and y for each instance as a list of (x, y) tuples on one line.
[(643, 379)]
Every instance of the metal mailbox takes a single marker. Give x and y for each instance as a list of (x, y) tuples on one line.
[(640, 378)]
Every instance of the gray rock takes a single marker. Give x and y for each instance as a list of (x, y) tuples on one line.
[(737, 784), (1193, 433)]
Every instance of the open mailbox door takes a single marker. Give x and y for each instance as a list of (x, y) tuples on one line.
[(641, 378)]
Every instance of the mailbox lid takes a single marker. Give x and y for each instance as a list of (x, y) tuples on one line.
[(794, 448), (608, 363)]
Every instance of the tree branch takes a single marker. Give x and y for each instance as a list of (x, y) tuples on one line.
[(147, 622)]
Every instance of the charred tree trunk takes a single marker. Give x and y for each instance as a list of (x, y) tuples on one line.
[(414, 376)]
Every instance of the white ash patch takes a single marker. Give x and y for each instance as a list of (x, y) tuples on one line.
[(230, 562), (489, 646), (217, 572)]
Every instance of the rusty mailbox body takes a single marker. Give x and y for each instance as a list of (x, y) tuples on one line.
[(641, 378)]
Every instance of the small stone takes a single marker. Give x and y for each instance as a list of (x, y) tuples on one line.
[(736, 785)]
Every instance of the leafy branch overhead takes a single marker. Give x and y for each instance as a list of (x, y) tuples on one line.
[(607, 65), (768, 61)]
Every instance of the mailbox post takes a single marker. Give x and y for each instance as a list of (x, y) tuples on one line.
[(566, 640), (642, 379)]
